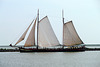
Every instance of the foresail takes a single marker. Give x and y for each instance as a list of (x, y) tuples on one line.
[(31, 38), (70, 36), (24, 34), (46, 34)]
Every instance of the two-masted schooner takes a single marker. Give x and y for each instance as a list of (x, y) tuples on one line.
[(46, 37)]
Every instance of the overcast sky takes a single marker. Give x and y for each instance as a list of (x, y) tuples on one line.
[(16, 15)]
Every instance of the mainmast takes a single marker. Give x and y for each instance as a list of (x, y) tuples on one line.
[(37, 26), (63, 28), (63, 16)]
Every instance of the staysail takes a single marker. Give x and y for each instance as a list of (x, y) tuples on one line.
[(70, 36), (31, 38), (24, 34), (46, 35)]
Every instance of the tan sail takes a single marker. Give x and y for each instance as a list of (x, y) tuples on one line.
[(70, 36), (46, 34), (31, 38), (24, 34)]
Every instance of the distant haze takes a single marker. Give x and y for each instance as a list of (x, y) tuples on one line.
[(16, 15)]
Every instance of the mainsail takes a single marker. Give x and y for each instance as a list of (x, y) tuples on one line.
[(31, 38), (70, 36), (46, 36), (24, 34)]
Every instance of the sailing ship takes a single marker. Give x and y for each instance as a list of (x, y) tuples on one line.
[(46, 37)]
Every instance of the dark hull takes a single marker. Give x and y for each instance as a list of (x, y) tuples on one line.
[(52, 50)]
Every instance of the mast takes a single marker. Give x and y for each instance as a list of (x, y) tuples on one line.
[(37, 26), (63, 28), (63, 16)]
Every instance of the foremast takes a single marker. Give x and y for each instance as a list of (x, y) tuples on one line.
[(63, 28), (37, 27)]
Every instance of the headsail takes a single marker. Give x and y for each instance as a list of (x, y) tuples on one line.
[(24, 34), (31, 38), (70, 36), (46, 34)]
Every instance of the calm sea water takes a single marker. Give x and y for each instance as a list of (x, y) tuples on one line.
[(53, 59)]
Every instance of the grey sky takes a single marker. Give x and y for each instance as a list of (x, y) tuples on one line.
[(16, 15)]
